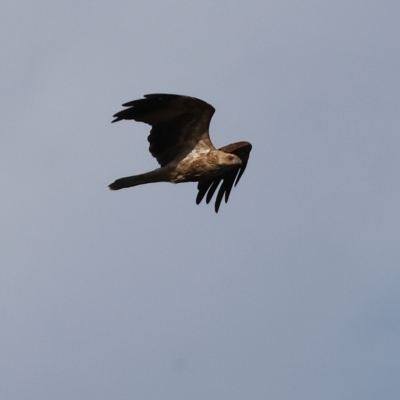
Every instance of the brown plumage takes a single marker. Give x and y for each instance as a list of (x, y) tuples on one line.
[(179, 140)]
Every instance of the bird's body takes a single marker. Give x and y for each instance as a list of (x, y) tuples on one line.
[(179, 140)]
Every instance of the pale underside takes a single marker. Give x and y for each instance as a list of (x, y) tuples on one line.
[(203, 162)]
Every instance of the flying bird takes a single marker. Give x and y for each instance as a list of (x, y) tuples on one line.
[(180, 142)]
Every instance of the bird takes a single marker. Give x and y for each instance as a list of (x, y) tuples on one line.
[(180, 142)]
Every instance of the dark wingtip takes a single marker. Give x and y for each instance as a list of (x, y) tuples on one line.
[(117, 117), (199, 197)]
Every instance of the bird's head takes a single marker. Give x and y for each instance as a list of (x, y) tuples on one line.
[(229, 160)]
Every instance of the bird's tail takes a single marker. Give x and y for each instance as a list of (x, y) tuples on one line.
[(158, 175)]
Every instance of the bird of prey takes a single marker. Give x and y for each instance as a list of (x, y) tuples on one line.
[(180, 142)]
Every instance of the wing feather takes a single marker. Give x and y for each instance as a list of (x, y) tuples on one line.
[(178, 123), (229, 179)]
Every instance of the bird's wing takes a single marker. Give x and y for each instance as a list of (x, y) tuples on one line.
[(178, 123), (228, 179)]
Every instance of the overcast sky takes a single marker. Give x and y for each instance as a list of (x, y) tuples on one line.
[(290, 292)]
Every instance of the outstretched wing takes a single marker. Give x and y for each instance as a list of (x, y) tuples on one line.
[(178, 123), (228, 179)]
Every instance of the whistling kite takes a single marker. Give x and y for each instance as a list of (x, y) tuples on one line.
[(180, 142)]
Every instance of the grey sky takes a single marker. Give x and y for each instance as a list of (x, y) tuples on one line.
[(290, 292)]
